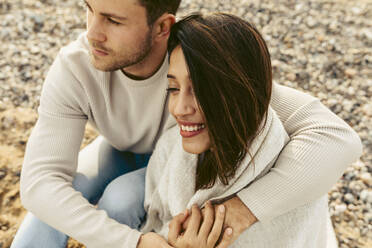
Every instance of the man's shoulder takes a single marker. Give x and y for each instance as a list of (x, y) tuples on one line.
[(73, 62), (75, 56), (76, 47), (71, 76)]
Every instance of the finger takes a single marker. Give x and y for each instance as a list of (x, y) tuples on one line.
[(208, 219), (175, 227), (194, 224), (166, 246), (227, 238), (162, 244), (185, 224), (217, 226)]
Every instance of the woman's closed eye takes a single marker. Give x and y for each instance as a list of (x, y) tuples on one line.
[(172, 89)]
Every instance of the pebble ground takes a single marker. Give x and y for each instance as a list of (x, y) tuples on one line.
[(323, 47)]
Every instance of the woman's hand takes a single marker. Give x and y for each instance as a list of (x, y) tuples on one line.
[(200, 232), (150, 240), (237, 216)]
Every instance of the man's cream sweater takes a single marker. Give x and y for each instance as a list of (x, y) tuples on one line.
[(132, 115)]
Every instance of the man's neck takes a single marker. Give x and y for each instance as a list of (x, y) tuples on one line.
[(147, 67)]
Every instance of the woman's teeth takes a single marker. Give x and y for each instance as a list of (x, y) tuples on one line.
[(192, 128)]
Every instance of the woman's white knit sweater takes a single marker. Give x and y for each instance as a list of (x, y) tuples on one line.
[(132, 115), (170, 184)]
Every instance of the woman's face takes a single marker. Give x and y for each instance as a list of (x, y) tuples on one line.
[(184, 106)]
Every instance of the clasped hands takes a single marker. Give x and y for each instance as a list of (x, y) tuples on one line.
[(214, 226), (200, 230)]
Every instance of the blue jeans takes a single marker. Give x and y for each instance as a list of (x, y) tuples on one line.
[(112, 179)]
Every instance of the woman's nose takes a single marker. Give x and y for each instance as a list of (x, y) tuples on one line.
[(184, 106)]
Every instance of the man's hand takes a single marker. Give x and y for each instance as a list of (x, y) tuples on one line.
[(238, 217), (151, 240)]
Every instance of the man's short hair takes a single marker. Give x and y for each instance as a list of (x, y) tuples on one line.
[(156, 8)]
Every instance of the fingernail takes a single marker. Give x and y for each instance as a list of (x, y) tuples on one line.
[(221, 208), (229, 231)]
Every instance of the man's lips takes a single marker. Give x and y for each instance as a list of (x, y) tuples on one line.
[(99, 52)]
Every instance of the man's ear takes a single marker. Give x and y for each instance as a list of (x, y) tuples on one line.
[(163, 25)]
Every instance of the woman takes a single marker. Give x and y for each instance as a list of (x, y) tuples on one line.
[(220, 85)]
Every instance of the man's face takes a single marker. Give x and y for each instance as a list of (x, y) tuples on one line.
[(118, 33)]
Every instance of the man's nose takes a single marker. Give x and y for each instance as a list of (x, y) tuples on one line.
[(95, 31)]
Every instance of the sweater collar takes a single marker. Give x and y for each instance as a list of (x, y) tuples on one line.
[(159, 75)]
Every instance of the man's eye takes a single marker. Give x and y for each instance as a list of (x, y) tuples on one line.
[(113, 22)]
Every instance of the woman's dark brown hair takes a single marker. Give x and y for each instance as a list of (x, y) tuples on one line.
[(230, 69)]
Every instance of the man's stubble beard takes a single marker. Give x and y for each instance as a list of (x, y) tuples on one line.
[(122, 61)]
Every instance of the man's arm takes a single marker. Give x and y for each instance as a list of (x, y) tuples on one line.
[(50, 165), (321, 147)]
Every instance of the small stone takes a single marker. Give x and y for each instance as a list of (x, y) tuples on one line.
[(311, 22), (349, 176), (366, 196), (350, 72), (363, 195), (291, 76), (4, 33), (7, 122), (356, 10), (349, 198), (367, 109), (2, 174), (340, 209), (335, 195), (364, 231), (2, 76), (366, 178), (368, 217), (367, 33), (34, 50), (38, 20)]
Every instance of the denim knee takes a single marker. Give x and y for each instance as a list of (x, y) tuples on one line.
[(33, 233), (123, 199)]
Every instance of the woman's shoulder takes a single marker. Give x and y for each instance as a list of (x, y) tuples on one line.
[(168, 141)]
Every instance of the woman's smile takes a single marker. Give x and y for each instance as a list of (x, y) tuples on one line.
[(188, 129)]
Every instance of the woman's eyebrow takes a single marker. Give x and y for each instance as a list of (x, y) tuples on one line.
[(174, 77)]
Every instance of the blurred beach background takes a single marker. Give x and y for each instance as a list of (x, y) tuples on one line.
[(322, 47)]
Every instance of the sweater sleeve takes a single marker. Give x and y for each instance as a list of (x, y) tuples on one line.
[(321, 147), (51, 161)]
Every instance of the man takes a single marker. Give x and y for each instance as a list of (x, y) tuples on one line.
[(114, 76)]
